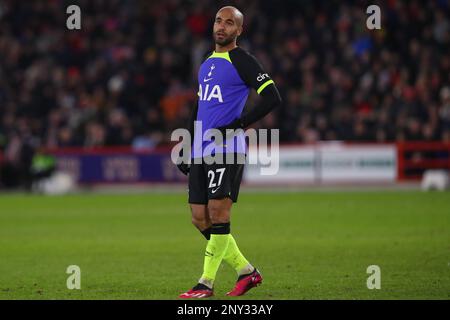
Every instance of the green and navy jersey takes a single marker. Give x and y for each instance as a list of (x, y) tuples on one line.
[(225, 80)]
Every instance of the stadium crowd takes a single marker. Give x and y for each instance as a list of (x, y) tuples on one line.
[(128, 77)]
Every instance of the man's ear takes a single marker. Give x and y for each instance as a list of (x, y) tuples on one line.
[(240, 31)]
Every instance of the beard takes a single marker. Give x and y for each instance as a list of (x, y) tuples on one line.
[(225, 40)]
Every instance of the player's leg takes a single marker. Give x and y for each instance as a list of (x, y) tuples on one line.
[(198, 199), (248, 276), (219, 213), (223, 189), (219, 216), (200, 219), (233, 256), (236, 259), (221, 245)]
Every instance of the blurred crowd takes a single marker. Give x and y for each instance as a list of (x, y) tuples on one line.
[(128, 77)]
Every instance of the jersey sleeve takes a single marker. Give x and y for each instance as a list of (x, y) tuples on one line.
[(250, 70)]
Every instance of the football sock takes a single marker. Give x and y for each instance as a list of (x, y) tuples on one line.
[(206, 233), (215, 250), (233, 255), (236, 259)]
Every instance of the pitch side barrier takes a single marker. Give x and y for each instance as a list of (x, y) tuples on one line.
[(319, 163), (414, 158)]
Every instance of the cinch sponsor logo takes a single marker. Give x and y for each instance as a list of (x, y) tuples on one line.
[(261, 77), (208, 94)]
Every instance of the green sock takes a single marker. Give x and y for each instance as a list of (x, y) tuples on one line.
[(215, 250), (236, 259)]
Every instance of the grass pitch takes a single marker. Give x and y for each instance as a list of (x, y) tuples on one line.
[(307, 245)]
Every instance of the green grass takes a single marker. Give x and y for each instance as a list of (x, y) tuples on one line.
[(307, 245)]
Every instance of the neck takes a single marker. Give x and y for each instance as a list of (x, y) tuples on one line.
[(226, 48)]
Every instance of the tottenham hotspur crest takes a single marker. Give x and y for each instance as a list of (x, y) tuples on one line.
[(206, 93), (206, 79)]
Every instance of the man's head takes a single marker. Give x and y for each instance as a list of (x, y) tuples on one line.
[(227, 25)]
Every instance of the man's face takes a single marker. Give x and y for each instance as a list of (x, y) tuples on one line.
[(226, 29)]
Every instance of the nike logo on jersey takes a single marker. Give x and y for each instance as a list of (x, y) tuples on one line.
[(206, 80)]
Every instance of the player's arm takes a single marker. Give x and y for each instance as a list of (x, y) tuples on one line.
[(184, 167), (270, 99), (191, 123), (253, 74)]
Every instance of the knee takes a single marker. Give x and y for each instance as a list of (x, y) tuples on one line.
[(218, 214), (200, 223)]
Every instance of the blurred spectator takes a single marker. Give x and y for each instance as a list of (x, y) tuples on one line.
[(128, 77)]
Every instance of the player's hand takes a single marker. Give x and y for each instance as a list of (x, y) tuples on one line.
[(184, 168)]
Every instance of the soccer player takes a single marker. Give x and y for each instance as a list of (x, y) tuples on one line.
[(225, 78)]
